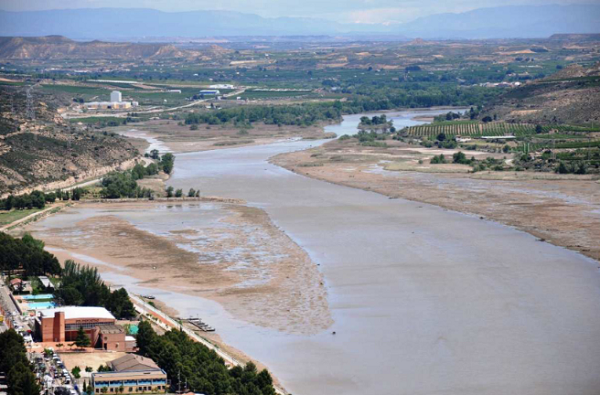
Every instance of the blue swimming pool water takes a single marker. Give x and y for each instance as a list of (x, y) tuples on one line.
[(38, 297), (41, 305)]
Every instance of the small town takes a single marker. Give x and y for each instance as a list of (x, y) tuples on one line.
[(50, 322)]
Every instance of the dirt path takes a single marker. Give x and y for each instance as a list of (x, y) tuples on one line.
[(53, 208)]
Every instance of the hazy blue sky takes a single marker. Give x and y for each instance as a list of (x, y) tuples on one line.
[(360, 11)]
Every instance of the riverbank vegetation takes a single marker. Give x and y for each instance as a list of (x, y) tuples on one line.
[(124, 184), (305, 114), (187, 361)]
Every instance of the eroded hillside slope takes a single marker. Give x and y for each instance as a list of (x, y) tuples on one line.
[(37, 147)]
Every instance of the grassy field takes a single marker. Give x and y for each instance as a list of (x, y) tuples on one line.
[(12, 83), (252, 95), (115, 85), (94, 120), (77, 90), (476, 128), (7, 217)]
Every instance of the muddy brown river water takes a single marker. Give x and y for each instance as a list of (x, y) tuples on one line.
[(424, 300)]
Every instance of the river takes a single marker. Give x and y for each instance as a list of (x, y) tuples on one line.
[(424, 300)]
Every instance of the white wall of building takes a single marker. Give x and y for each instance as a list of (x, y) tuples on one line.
[(115, 96)]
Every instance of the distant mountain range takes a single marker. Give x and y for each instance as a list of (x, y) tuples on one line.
[(508, 22), (126, 24), (120, 24)]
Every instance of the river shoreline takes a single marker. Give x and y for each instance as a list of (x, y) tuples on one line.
[(561, 210), (416, 305), (122, 247)]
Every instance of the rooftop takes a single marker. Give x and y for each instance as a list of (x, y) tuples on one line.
[(111, 329), (131, 375), (133, 362), (74, 312)]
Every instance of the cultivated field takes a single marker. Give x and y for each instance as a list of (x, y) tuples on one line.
[(476, 129)]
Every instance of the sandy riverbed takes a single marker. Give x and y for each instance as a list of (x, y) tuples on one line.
[(229, 253)]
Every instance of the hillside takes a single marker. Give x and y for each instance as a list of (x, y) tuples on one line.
[(59, 48), (570, 96), (38, 148)]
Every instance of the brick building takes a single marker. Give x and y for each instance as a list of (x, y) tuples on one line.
[(61, 325)]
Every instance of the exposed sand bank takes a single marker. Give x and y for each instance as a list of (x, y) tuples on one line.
[(180, 138), (237, 258)]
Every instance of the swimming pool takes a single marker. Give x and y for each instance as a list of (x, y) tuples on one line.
[(41, 305), (38, 297)]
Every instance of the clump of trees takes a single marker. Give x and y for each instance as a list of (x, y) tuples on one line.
[(201, 368), (82, 286), (579, 167), (39, 199), (124, 184), (442, 142), (139, 171), (460, 158), (377, 123), (178, 193), (165, 163), (35, 199), (375, 120), (438, 159), (14, 362), (449, 116), (305, 114), (27, 256), (487, 164)]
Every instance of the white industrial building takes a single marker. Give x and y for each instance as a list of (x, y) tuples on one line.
[(115, 97), (116, 103)]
